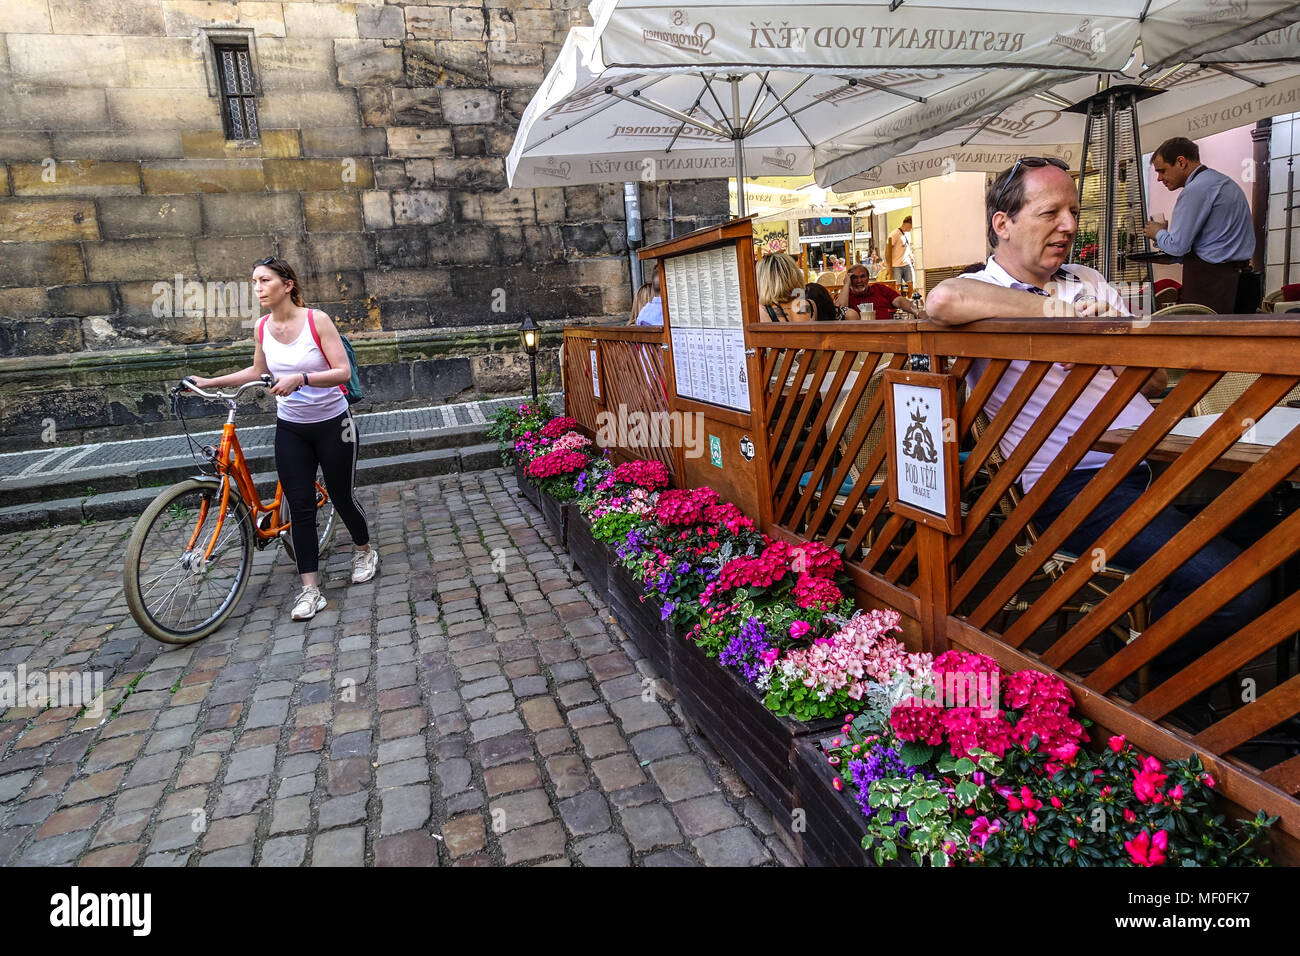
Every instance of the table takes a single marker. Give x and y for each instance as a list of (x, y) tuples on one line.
[(1254, 444)]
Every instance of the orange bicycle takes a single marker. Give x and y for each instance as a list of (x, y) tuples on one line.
[(191, 553)]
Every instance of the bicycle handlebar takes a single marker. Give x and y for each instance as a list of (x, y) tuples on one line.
[(266, 381)]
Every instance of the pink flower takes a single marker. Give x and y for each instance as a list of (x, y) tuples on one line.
[(1147, 781), (769, 656), (799, 628), (1208, 781), (983, 828), (839, 784), (1029, 821), (1148, 850), (1056, 802), (1073, 843), (1117, 743), (1064, 751), (1176, 794), (1130, 816)]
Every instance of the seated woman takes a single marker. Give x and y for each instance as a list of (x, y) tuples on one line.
[(780, 282), (824, 308), (640, 301)]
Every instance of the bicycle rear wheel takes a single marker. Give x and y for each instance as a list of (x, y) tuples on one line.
[(326, 520), (174, 594)]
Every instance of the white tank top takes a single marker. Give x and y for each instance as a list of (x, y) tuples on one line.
[(310, 404)]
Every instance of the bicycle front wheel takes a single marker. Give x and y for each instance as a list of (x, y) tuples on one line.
[(175, 593)]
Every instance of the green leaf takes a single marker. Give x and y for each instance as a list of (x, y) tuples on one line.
[(967, 791), (915, 754), (922, 807), (965, 765)]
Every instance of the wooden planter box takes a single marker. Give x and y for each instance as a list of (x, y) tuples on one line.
[(643, 620), (730, 713), (526, 487), (593, 557), (833, 821), (556, 514)]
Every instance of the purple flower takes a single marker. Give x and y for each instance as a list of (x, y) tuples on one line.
[(581, 482), (877, 764), (746, 648), (669, 607)]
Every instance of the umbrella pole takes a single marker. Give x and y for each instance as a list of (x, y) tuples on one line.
[(737, 137)]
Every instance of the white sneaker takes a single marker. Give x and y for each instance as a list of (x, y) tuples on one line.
[(364, 565), (308, 603)]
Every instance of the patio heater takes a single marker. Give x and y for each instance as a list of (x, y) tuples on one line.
[(1112, 200)]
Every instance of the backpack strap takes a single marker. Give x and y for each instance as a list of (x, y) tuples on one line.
[(261, 328), (311, 324)]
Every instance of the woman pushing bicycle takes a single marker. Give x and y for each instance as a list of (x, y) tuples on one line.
[(302, 350)]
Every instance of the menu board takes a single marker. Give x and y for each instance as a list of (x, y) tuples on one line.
[(707, 327)]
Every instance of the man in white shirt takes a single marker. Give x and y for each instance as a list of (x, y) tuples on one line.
[(899, 251), (1032, 216)]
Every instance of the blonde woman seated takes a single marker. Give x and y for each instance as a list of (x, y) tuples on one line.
[(780, 290), (640, 301)]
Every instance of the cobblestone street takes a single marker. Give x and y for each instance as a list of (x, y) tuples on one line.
[(472, 705)]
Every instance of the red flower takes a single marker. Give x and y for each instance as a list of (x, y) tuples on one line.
[(556, 463), (816, 559), (1130, 816), (650, 475), (816, 593), (1117, 743), (1148, 850), (913, 720), (558, 426)]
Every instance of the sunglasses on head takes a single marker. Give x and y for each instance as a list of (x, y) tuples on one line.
[(268, 261), (1027, 162)]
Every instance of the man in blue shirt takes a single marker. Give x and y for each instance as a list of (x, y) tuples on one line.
[(652, 313), (1212, 232)]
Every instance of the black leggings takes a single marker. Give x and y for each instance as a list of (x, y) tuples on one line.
[(299, 449)]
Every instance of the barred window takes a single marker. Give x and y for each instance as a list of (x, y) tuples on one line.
[(238, 91)]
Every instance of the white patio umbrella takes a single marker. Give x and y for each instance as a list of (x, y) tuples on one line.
[(590, 124), (1092, 35), (660, 91), (1215, 92)]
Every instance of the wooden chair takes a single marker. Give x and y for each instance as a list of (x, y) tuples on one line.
[(1228, 389), (1184, 308), (1055, 566), (1165, 298)]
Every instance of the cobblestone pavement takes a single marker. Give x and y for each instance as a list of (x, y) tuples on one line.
[(473, 705)]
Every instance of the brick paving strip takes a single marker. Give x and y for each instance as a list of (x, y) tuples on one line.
[(473, 705)]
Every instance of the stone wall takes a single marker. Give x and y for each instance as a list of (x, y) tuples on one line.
[(129, 224)]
